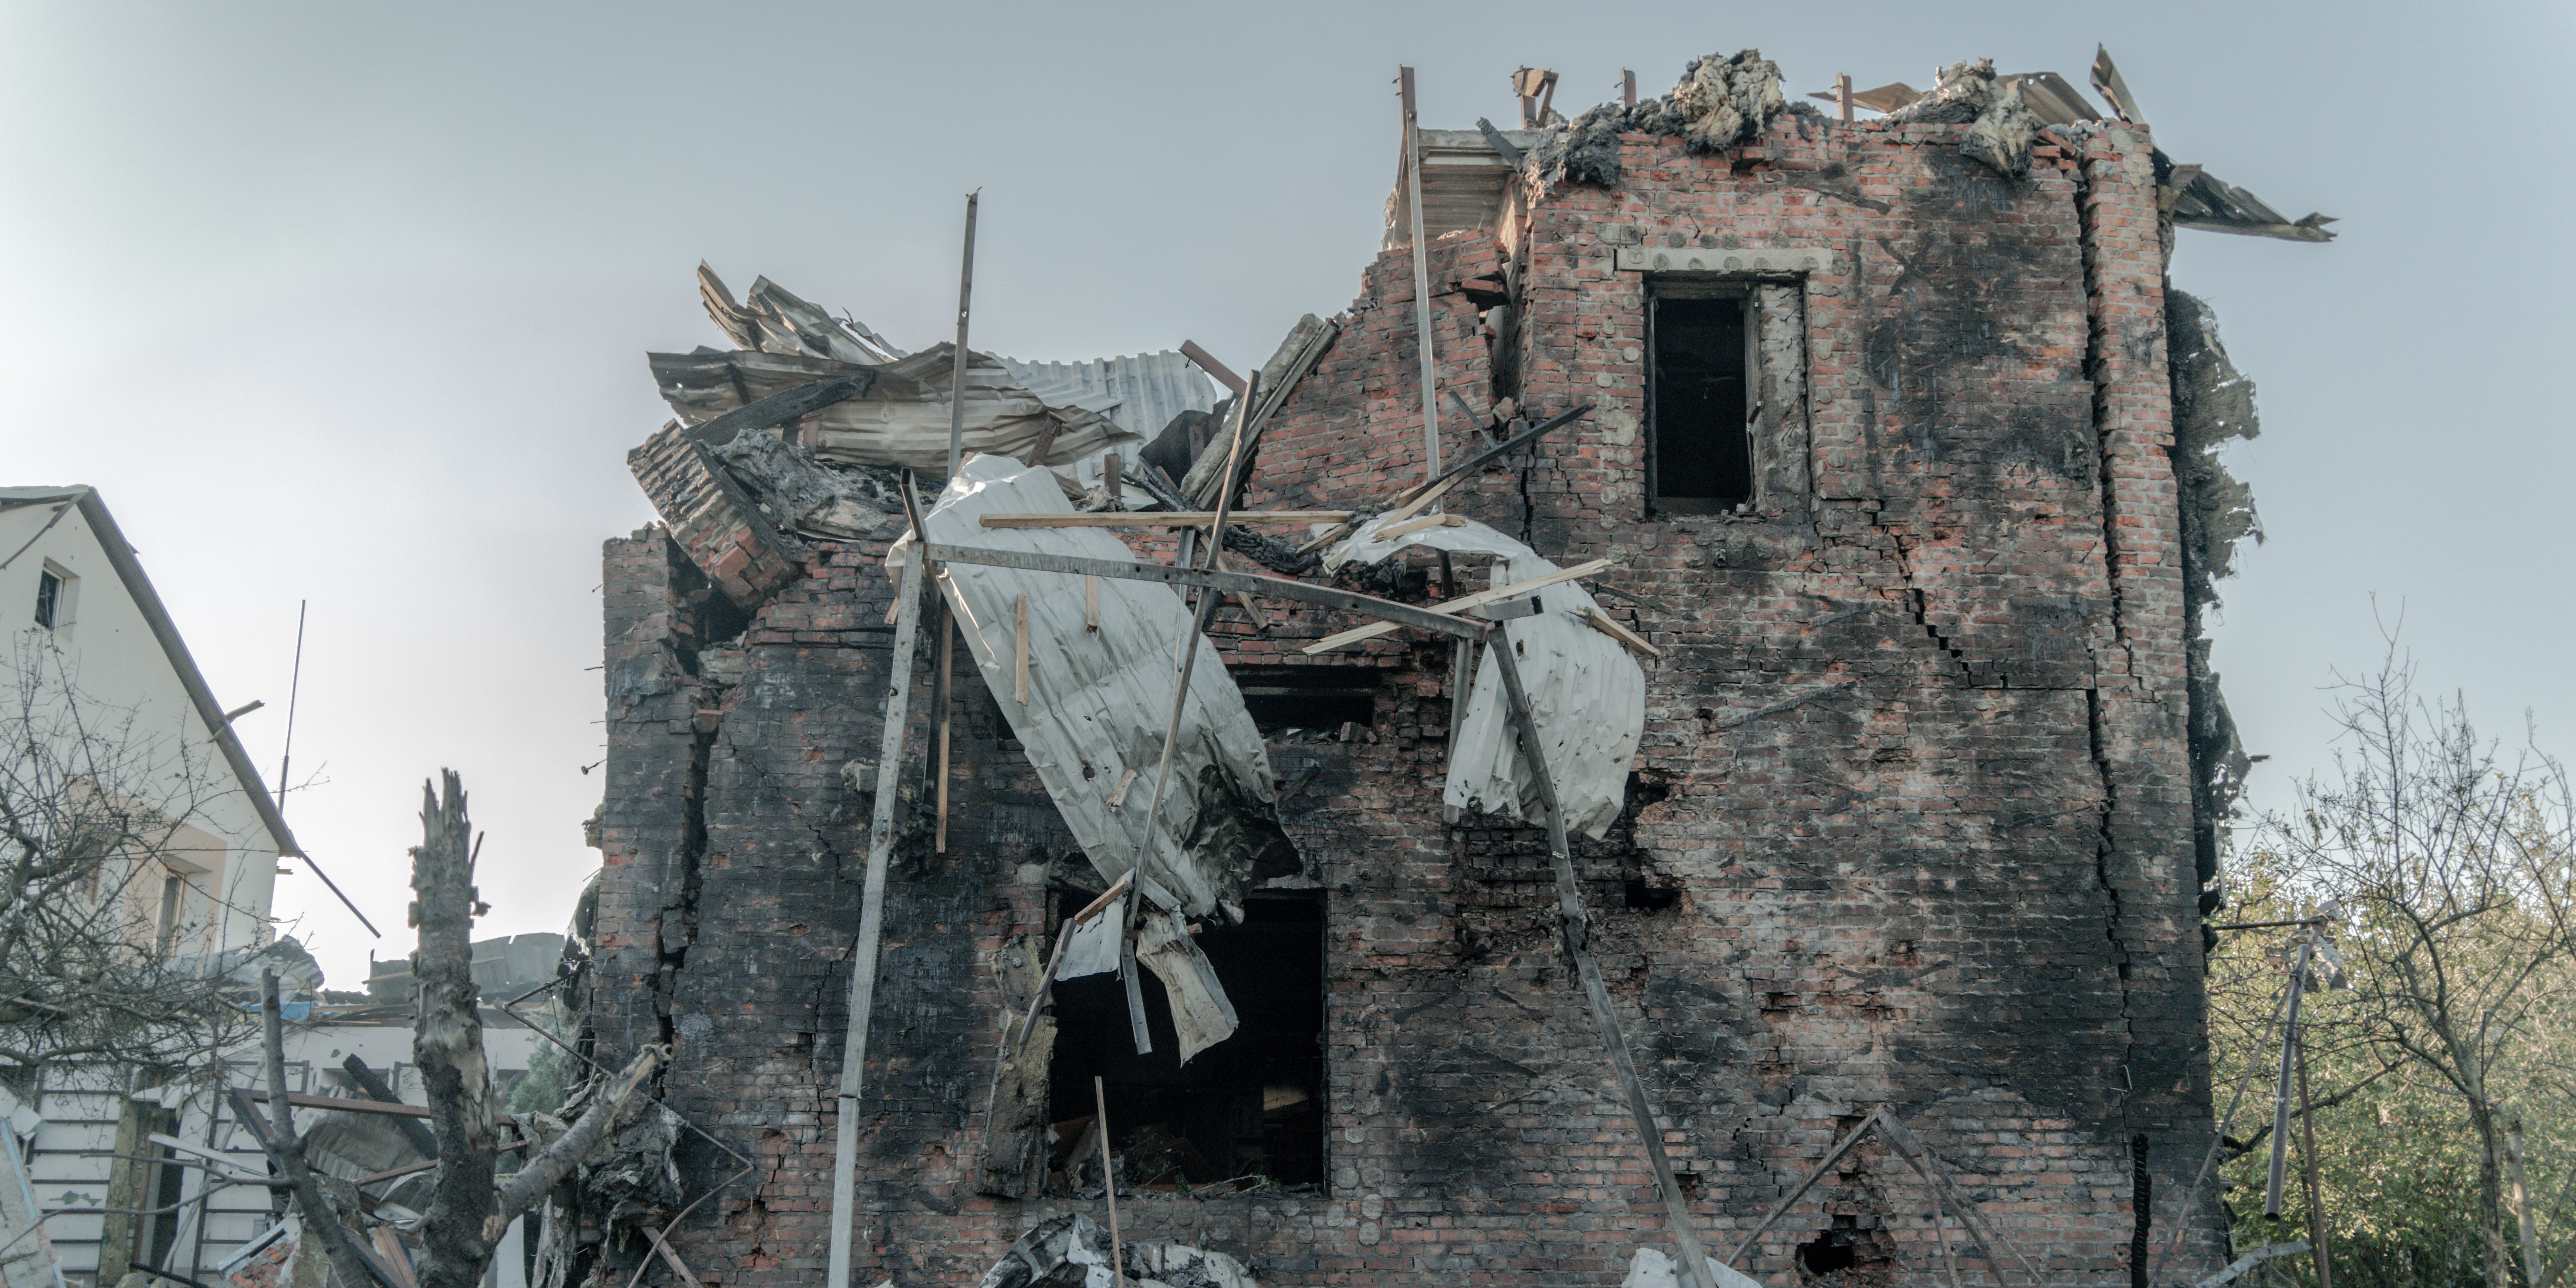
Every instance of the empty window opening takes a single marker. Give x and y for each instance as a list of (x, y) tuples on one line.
[(50, 599), (166, 926), (1698, 399), (1307, 697), (164, 1186), (1248, 1110)]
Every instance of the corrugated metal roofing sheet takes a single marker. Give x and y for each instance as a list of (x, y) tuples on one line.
[(1142, 392)]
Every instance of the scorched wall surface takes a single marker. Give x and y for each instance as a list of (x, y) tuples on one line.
[(1911, 823)]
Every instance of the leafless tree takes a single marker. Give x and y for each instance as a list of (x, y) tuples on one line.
[(101, 814), (2450, 867), (470, 1207)]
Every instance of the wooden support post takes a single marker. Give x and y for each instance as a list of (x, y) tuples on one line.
[(1576, 924), (943, 700), (1421, 280), (957, 369), (1628, 89), (1110, 482), (1843, 94), (1109, 1184), (863, 957), (1020, 650), (1929, 1168)]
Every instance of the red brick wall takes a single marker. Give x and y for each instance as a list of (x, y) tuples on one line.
[(1913, 760)]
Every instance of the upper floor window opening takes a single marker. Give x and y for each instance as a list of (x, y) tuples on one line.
[(53, 597), (1700, 398)]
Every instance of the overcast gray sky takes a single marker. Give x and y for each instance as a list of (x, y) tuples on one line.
[(349, 303)]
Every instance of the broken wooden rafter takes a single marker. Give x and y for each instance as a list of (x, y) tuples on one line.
[(785, 405), (1604, 623), (1412, 499), (1162, 519), (1463, 603), (1207, 362), (1575, 923), (1250, 583)]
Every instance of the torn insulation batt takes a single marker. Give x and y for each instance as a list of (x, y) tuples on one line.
[(1586, 693)]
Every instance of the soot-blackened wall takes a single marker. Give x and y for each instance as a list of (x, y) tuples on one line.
[(1911, 824)]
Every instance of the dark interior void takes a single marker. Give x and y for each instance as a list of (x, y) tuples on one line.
[(1703, 456), (1247, 1110), (1307, 697), (1835, 1249)]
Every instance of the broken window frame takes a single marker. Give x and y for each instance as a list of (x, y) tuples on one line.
[(1776, 391), (1701, 286)]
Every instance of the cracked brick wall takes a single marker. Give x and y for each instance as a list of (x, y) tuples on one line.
[(1911, 822)]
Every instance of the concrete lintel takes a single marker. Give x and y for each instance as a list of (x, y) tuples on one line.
[(1683, 259)]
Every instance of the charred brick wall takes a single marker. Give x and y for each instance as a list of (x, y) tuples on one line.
[(1911, 823)]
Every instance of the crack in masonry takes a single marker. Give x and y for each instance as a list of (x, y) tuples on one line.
[(2096, 368), (692, 852)]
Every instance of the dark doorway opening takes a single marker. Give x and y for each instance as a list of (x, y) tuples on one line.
[(1247, 1111), (1702, 456), (1307, 697)]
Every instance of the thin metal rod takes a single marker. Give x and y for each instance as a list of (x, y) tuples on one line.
[(957, 372), (863, 963), (944, 699), (1303, 592), (2182, 1213), (2272, 925), (1577, 926), (2316, 1186), (1191, 634), (1109, 1185), (294, 689), (1421, 280)]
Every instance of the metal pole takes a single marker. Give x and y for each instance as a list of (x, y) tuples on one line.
[(957, 373), (1421, 281), (863, 964), (2281, 1087), (2316, 1187), (294, 689)]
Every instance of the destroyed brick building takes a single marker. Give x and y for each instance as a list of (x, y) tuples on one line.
[(1857, 578)]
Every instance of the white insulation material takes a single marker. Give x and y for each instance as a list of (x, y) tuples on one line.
[(1202, 1015), (1587, 694), (1098, 701)]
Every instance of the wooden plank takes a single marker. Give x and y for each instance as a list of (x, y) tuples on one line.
[(1207, 362), (1091, 604), (1253, 583), (1463, 603), (1799, 1191), (1603, 622), (1020, 650), (1411, 526), (1164, 519), (1575, 922), (302, 1100), (863, 964), (1920, 1158), (1412, 499)]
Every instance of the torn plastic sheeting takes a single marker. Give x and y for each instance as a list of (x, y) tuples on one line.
[(1202, 1015), (1099, 701), (1587, 694), (902, 419)]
